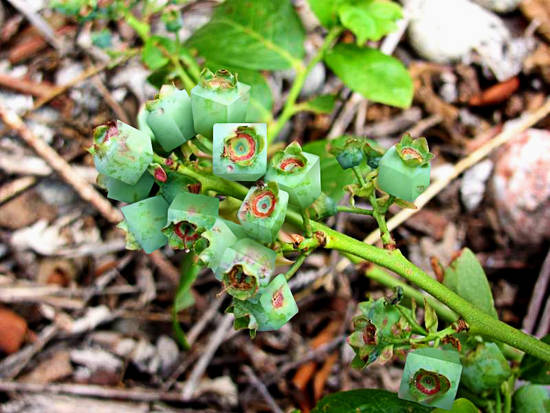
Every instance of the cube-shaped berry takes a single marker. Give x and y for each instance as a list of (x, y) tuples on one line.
[(145, 220), (123, 192), (431, 377), (218, 98), (274, 307), (220, 237), (121, 151), (245, 268), (298, 173), (239, 151), (263, 212), (401, 180), (170, 117), (188, 216)]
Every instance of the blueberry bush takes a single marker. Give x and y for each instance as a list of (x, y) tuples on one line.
[(202, 174)]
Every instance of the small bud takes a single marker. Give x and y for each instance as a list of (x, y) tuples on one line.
[(376, 328), (218, 98), (347, 150), (298, 173), (121, 151), (431, 377), (404, 170), (123, 192), (145, 219), (172, 20), (263, 212), (188, 216), (323, 207), (170, 117), (240, 151), (245, 268)]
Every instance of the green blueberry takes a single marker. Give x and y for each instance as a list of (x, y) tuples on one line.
[(400, 180), (245, 268), (431, 377), (145, 220), (218, 98), (263, 212), (273, 309), (298, 173), (532, 399), (188, 216), (219, 237), (485, 367), (123, 192), (239, 151), (170, 117), (347, 150), (121, 151)]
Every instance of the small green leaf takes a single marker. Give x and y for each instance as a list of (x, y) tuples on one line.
[(253, 34), (366, 401), (534, 369), (327, 11), (320, 104), (459, 406), (370, 20), (465, 276), (141, 28), (430, 317), (371, 73), (333, 178), (156, 51), (485, 368)]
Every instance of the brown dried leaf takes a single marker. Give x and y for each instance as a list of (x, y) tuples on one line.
[(12, 331)]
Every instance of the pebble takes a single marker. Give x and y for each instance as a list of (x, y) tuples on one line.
[(500, 6), (521, 187), (446, 31), (472, 186)]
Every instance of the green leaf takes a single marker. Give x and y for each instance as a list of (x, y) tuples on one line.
[(254, 34), (371, 73), (142, 29), (370, 20), (465, 276), (189, 269), (366, 401), (460, 406), (261, 98), (156, 50), (319, 104), (327, 11), (535, 370), (333, 177), (430, 317)]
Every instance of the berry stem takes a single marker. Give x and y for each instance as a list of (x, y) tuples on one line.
[(295, 266), (290, 107), (379, 214), (354, 210), (479, 322)]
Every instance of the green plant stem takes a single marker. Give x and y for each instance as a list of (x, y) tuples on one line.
[(380, 217), (307, 223), (188, 83), (295, 266), (301, 74), (434, 336), (478, 321), (353, 210), (498, 401), (379, 275), (359, 177)]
